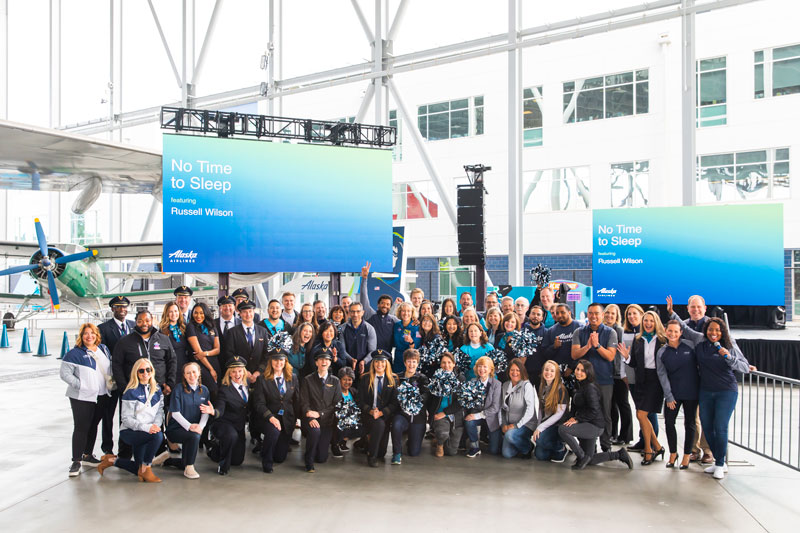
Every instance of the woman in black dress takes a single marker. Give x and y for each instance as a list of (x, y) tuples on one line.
[(648, 395), (204, 342), (173, 326)]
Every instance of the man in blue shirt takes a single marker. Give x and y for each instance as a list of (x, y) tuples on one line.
[(380, 320), (557, 342), (359, 337), (598, 343)]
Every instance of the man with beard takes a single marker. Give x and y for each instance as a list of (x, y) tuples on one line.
[(557, 342), (320, 312), (507, 305), (144, 341), (380, 320), (546, 300), (534, 363)]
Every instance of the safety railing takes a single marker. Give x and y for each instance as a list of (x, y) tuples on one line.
[(766, 420)]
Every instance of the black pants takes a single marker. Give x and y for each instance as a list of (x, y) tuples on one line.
[(232, 444), (85, 417), (318, 440), (275, 447), (108, 407), (378, 430), (581, 439), (690, 430), (621, 411)]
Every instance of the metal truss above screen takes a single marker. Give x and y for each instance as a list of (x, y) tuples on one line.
[(230, 124)]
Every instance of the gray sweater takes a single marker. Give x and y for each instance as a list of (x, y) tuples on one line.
[(518, 404)]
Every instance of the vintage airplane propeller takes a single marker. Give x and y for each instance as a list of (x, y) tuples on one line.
[(48, 263)]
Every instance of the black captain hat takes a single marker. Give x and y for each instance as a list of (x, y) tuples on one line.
[(183, 290), (246, 304), (119, 300)]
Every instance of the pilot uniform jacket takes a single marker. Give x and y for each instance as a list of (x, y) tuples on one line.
[(157, 348), (235, 343), (315, 397), (387, 399), (231, 407), (268, 402), (110, 333)]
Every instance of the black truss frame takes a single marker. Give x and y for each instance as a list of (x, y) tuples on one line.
[(230, 124)]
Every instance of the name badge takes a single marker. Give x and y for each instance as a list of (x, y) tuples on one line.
[(280, 413), (156, 346), (261, 340), (328, 385)]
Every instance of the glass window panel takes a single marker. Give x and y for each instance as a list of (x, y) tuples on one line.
[(569, 86), (567, 98), (459, 123), (758, 73), (422, 110), (423, 126), (758, 56), (712, 64), (643, 166), (531, 114), (642, 75), (712, 87), (786, 51), (478, 100), (642, 97), (713, 116), (752, 182), (479, 120), (627, 167), (619, 101), (751, 157), (527, 93), (782, 154), (781, 169), (532, 137), (716, 160), (786, 77), (590, 105), (392, 114), (591, 83), (716, 184), (460, 104), (438, 126), (629, 184), (438, 108), (616, 79)]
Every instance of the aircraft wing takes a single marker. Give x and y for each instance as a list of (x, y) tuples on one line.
[(130, 250), (158, 295), (35, 158), (22, 250), (16, 299)]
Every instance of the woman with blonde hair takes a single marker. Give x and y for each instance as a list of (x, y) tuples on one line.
[(273, 406), (87, 371), (406, 335), (621, 420), (648, 395), (141, 417), (553, 400), (231, 415), (378, 390), (488, 415)]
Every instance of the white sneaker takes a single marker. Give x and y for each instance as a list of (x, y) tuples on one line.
[(719, 472), (190, 472), (161, 458), (713, 468)]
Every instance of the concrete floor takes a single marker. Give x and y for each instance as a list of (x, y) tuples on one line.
[(453, 493)]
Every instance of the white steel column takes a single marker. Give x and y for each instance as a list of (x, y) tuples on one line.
[(515, 251), (4, 58), (688, 99), (271, 60), (55, 63), (377, 51), (413, 129)]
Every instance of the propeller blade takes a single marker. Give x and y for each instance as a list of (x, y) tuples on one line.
[(41, 238), (14, 270), (51, 284), (75, 257)]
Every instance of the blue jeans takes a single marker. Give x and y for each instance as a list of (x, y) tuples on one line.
[(716, 409), (416, 433), (473, 428), (144, 449), (549, 444), (517, 440)]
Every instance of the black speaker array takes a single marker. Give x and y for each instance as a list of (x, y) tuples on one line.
[(471, 242)]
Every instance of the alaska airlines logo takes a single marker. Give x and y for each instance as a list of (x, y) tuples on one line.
[(179, 256), (606, 292), (311, 286)]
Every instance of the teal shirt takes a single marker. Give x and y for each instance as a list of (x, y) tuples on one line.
[(474, 355)]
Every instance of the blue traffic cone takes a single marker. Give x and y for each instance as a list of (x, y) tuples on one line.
[(4, 338), (64, 346), (26, 344), (41, 351)]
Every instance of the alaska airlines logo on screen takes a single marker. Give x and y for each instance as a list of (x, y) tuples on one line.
[(606, 293), (179, 256)]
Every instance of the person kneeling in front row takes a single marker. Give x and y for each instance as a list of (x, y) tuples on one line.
[(231, 416), (141, 414), (318, 397), (587, 422)]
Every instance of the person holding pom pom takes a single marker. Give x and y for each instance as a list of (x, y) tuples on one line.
[(410, 415), (476, 346), (488, 414), (518, 412), (445, 414), (553, 400)]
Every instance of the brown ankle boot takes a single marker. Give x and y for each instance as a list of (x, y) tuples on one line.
[(439, 450), (148, 476), (105, 462)]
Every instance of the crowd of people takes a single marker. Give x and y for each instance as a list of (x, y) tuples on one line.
[(355, 377)]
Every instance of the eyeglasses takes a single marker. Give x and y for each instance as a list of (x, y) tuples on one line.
[(145, 371)]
